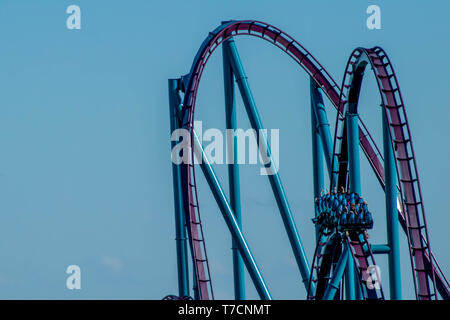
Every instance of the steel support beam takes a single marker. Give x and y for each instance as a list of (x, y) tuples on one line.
[(275, 181), (350, 280), (323, 127), (233, 172), (353, 152), (230, 220), (355, 186), (317, 154), (391, 212), (333, 285), (180, 229), (380, 248)]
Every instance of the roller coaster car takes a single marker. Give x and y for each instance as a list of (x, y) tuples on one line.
[(358, 225), (350, 223), (174, 297), (355, 227)]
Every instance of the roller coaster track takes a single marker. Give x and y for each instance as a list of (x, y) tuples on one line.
[(411, 210), (363, 259), (324, 258), (409, 186), (328, 249), (203, 287)]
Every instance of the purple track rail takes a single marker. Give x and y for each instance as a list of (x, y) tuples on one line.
[(321, 267), (196, 236), (363, 258), (330, 88)]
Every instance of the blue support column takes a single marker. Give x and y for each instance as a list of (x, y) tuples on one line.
[(317, 155), (275, 181), (323, 128), (230, 220), (350, 284), (355, 186), (391, 213), (358, 288), (338, 272), (380, 248), (180, 230), (233, 173), (353, 152)]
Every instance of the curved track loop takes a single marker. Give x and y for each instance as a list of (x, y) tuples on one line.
[(409, 184), (313, 68)]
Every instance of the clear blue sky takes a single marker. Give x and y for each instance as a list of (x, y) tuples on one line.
[(85, 172)]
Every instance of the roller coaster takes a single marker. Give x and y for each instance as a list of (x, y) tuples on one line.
[(343, 266)]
